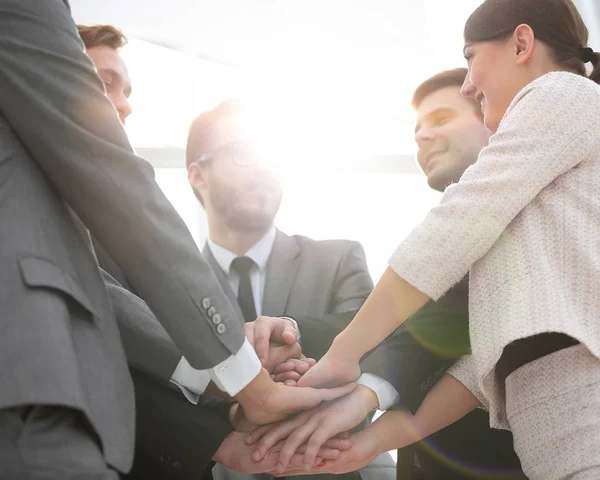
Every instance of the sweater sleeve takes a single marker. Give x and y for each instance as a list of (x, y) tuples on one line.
[(548, 129), (464, 372)]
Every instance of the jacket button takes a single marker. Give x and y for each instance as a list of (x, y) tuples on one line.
[(177, 466), (221, 328), (216, 319), (206, 303), (164, 458)]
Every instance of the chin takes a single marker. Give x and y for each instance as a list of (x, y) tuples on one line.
[(251, 221), (491, 123), (436, 183)]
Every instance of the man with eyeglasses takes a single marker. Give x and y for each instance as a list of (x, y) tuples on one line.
[(262, 270)]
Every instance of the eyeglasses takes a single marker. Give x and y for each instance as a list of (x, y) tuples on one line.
[(242, 154)]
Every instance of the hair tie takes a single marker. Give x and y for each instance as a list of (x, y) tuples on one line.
[(586, 54)]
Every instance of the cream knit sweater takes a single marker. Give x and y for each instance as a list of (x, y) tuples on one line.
[(525, 222)]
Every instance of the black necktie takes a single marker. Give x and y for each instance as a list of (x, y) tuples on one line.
[(242, 266)]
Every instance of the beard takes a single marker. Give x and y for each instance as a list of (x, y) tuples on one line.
[(237, 215)]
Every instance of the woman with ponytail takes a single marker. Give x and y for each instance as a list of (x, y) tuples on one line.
[(524, 221)]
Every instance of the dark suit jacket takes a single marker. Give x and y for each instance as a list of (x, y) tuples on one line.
[(413, 359), (302, 275), (165, 419), (62, 147)]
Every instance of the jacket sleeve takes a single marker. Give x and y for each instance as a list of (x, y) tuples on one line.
[(54, 101)]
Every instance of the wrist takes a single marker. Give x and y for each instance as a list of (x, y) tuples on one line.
[(368, 398), (257, 392), (395, 429), (233, 410), (346, 348)]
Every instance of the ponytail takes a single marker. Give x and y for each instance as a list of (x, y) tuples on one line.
[(595, 59)]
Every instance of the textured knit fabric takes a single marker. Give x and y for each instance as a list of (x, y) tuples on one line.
[(525, 221), (553, 409)]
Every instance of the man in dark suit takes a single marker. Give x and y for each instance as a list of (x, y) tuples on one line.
[(66, 399), (450, 134), (176, 438)]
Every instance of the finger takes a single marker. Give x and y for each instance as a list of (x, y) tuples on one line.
[(286, 366), (283, 330), (290, 383), (249, 332), (326, 453), (301, 367), (338, 443), (263, 328), (282, 377), (259, 432), (310, 361), (267, 437), (295, 467), (289, 335), (315, 444), (298, 438)]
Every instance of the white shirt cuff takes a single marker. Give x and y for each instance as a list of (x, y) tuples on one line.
[(386, 393), (231, 375), (237, 371)]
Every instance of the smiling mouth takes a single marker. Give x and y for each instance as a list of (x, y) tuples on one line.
[(479, 98), (432, 156)]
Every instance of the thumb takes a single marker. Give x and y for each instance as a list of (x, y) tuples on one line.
[(306, 397), (289, 335)]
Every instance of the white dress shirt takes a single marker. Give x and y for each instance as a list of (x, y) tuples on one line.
[(234, 373)]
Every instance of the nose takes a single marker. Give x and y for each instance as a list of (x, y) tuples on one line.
[(121, 103), (468, 89), (423, 136)]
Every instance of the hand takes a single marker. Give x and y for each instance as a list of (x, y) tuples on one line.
[(235, 454), (314, 427), (290, 371), (265, 330), (332, 370), (265, 401), (364, 449)]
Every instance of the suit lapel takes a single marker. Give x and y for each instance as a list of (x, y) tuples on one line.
[(282, 268), (222, 278)]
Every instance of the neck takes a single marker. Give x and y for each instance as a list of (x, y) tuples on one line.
[(236, 241)]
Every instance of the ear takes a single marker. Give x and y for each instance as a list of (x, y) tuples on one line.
[(524, 40), (197, 176)]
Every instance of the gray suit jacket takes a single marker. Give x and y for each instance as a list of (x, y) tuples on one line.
[(303, 275), (308, 278), (61, 143)]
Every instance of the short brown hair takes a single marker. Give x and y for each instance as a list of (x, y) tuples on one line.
[(95, 35), (557, 23), (202, 128), (448, 78)]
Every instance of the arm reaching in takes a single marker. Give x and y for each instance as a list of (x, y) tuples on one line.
[(315, 427), (393, 300), (265, 401), (447, 403)]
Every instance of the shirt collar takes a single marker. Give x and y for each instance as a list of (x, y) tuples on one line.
[(259, 252)]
